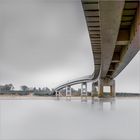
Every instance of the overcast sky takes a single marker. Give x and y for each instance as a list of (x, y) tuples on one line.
[(45, 43)]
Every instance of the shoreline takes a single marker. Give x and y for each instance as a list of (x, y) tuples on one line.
[(56, 98)]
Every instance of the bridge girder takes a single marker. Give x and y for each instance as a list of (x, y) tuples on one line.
[(114, 31)]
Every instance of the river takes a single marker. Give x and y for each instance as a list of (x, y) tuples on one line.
[(111, 119)]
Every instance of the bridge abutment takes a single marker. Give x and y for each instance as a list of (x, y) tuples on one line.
[(106, 82)]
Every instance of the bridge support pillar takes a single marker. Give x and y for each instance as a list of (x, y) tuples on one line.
[(112, 88), (84, 91), (68, 92), (106, 82), (94, 90), (57, 94), (100, 88)]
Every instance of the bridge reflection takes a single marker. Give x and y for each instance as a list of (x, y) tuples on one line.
[(101, 103)]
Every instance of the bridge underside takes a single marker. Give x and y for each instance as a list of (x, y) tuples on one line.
[(114, 32)]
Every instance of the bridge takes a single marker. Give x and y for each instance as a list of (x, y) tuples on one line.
[(114, 32)]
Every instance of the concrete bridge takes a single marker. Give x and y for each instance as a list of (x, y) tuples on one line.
[(114, 32)]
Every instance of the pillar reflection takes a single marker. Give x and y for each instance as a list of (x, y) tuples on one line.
[(99, 103)]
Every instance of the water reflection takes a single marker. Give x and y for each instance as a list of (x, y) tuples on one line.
[(110, 101), (100, 103), (68, 98), (97, 103), (61, 120), (84, 99)]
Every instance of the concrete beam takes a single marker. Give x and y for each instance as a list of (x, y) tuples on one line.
[(116, 58), (122, 43), (129, 51), (92, 18), (92, 13), (90, 6), (93, 28), (110, 23)]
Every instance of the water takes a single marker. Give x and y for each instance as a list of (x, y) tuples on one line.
[(70, 120)]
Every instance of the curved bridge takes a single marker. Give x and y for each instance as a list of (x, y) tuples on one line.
[(75, 81), (114, 31)]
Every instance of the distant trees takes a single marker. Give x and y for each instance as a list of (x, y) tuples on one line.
[(9, 87), (42, 91), (24, 88), (34, 89), (6, 87)]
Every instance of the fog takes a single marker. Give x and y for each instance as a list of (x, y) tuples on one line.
[(72, 120)]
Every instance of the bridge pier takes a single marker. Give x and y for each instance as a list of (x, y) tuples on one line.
[(100, 88), (94, 90), (112, 89), (84, 91), (57, 94), (106, 82), (68, 92)]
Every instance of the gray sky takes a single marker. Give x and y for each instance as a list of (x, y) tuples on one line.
[(44, 43)]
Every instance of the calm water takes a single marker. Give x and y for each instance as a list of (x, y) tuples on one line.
[(70, 120)]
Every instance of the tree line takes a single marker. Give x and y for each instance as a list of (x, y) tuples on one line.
[(24, 90)]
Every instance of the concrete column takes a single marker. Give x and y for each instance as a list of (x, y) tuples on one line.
[(94, 90), (57, 94), (100, 88), (68, 91), (106, 82), (84, 89), (112, 88)]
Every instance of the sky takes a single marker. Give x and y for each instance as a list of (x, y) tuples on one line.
[(46, 43)]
